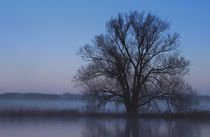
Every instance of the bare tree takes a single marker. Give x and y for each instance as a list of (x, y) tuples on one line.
[(136, 61)]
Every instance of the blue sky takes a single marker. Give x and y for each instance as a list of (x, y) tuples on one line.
[(40, 39)]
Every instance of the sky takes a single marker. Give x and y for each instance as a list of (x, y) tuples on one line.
[(40, 39)]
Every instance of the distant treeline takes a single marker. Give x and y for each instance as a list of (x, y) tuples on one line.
[(66, 96)]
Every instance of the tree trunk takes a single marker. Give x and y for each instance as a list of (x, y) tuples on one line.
[(132, 108), (131, 105)]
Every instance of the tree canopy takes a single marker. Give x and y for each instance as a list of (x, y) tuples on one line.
[(136, 61)]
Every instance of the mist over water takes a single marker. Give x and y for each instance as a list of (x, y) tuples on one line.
[(35, 101), (19, 104), (73, 102), (90, 126)]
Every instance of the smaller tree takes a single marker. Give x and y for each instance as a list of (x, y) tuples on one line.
[(135, 62)]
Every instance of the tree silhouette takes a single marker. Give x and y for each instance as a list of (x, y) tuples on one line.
[(135, 62)]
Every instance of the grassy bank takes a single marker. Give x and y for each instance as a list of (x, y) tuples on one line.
[(75, 113)]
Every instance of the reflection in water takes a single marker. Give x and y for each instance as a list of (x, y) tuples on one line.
[(141, 128), (95, 127)]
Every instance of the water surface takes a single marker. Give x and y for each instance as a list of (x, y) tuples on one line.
[(95, 127)]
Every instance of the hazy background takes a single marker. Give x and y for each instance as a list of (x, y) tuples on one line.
[(40, 39)]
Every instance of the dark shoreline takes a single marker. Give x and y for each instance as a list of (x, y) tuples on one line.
[(75, 113)]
